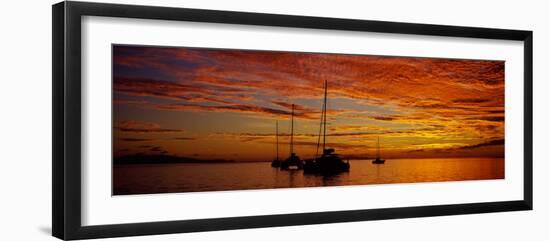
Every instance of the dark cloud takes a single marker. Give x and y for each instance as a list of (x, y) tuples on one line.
[(176, 91), (384, 118), (330, 144), (471, 100), (489, 118), (484, 144), (335, 134), (238, 108), (142, 127), (495, 111), (156, 148), (138, 130), (158, 139), (184, 138), (135, 139), (296, 106)]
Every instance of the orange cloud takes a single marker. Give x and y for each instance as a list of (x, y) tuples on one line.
[(428, 103), (142, 127)]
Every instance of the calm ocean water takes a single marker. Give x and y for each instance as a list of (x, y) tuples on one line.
[(195, 177)]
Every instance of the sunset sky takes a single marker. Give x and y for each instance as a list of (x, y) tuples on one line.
[(223, 104)]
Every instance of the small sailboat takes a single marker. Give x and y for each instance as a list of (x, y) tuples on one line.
[(293, 161), (276, 162), (329, 162), (378, 160)]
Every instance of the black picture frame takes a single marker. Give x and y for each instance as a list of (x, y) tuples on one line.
[(66, 168)]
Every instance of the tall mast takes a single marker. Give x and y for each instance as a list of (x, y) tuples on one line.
[(378, 149), (325, 117), (292, 131), (277, 137)]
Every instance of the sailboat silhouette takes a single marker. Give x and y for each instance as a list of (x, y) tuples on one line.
[(293, 161), (378, 160), (276, 162), (329, 162)]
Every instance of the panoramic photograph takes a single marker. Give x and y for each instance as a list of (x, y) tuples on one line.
[(189, 119)]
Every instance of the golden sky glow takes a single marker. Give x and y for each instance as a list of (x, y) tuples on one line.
[(219, 103)]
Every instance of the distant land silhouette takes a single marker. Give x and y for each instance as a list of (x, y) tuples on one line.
[(162, 159)]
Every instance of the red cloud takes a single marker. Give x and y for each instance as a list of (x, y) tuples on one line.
[(142, 127), (435, 98)]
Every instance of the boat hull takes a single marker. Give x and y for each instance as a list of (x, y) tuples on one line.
[(276, 163), (378, 161), (326, 165), (293, 162)]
